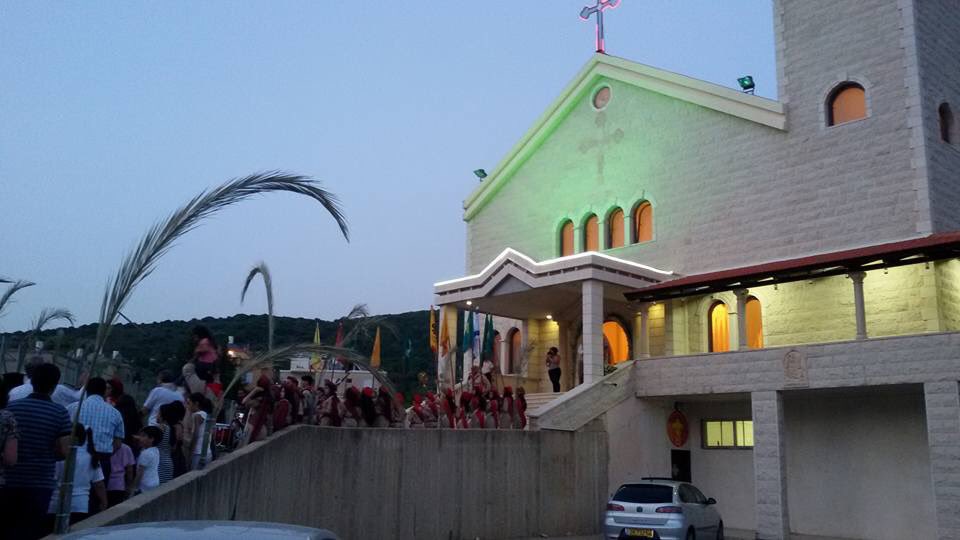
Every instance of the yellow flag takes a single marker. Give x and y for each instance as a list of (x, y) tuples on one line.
[(315, 359), (433, 331), (375, 354), (444, 337)]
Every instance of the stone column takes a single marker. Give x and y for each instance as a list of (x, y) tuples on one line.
[(592, 292), (943, 437), (644, 331), (741, 318), (857, 279), (770, 466)]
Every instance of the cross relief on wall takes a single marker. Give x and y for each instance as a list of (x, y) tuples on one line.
[(601, 142)]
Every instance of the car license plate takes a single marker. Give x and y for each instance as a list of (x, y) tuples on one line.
[(640, 533)]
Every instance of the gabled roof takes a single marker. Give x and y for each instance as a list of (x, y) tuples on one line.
[(756, 109)]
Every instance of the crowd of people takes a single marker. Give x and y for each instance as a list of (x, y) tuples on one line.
[(123, 449), (120, 449)]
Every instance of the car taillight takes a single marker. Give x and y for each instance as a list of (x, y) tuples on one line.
[(614, 507), (669, 510)]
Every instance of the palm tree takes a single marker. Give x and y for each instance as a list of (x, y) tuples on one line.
[(14, 287), (47, 315), (139, 263), (261, 268)]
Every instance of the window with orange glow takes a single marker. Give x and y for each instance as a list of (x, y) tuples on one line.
[(754, 324), (847, 103), (643, 223), (566, 239), (718, 331), (591, 234), (616, 344), (615, 229), (513, 358)]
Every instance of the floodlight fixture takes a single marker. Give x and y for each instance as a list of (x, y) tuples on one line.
[(746, 84), (480, 173)]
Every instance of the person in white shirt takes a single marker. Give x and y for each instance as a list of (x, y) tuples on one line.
[(198, 408), (165, 392), (148, 464), (86, 475), (62, 395)]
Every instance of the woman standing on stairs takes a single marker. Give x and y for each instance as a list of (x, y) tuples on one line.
[(553, 368)]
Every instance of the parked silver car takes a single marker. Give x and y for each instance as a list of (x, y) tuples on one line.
[(662, 510), (203, 530)]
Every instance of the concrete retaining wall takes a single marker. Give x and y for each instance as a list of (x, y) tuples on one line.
[(369, 483)]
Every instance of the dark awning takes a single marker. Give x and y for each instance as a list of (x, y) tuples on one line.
[(919, 250)]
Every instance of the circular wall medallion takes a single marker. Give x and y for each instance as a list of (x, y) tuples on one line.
[(678, 430), (601, 97)]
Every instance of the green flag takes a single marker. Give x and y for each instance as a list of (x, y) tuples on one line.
[(467, 332), (487, 353)]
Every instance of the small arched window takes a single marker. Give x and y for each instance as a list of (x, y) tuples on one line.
[(643, 222), (848, 102), (615, 229), (566, 239), (513, 350), (754, 324), (718, 327), (616, 344), (947, 124), (591, 234)]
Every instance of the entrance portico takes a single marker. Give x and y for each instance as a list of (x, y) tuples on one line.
[(577, 292)]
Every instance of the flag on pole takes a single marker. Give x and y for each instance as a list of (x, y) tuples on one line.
[(444, 337), (433, 330), (475, 347), (338, 342), (487, 353), (316, 361), (375, 354), (467, 344)]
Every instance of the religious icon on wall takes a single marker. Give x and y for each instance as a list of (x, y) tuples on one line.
[(678, 429)]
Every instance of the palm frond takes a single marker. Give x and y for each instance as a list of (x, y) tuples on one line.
[(15, 286), (5, 280), (262, 269), (161, 237), (48, 315)]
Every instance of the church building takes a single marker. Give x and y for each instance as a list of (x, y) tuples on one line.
[(758, 296)]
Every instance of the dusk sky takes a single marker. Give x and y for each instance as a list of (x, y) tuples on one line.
[(112, 114)]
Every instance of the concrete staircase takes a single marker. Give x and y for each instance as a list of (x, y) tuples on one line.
[(535, 401)]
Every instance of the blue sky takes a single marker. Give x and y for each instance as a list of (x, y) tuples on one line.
[(114, 113)]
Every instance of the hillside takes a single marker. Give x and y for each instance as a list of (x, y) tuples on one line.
[(148, 348)]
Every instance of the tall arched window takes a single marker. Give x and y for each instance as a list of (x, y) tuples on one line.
[(616, 344), (566, 239), (615, 229), (513, 348), (947, 126), (591, 234), (718, 327), (848, 102), (643, 222), (754, 324)]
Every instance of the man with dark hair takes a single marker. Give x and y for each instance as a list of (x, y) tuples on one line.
[(63, 395), (103, 421), (165, 392), (44, 438), (308, 399)]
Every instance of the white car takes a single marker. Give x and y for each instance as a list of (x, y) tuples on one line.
[(662, 510)]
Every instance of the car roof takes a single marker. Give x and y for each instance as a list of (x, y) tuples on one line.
[(654, 482), (203, 530)]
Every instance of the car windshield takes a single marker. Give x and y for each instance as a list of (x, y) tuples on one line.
[(644, 494)]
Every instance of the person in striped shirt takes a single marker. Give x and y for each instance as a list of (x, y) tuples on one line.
[(102, 419)]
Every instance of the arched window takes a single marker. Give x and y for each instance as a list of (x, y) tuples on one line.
[(754, 324), (718, 327), (643, 222), (566, 239), (591, 234), (847, 103), (615, 229), (947, 133), (513, 348), (616, 344)]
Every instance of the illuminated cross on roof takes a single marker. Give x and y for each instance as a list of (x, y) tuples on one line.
[(598, 9)]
